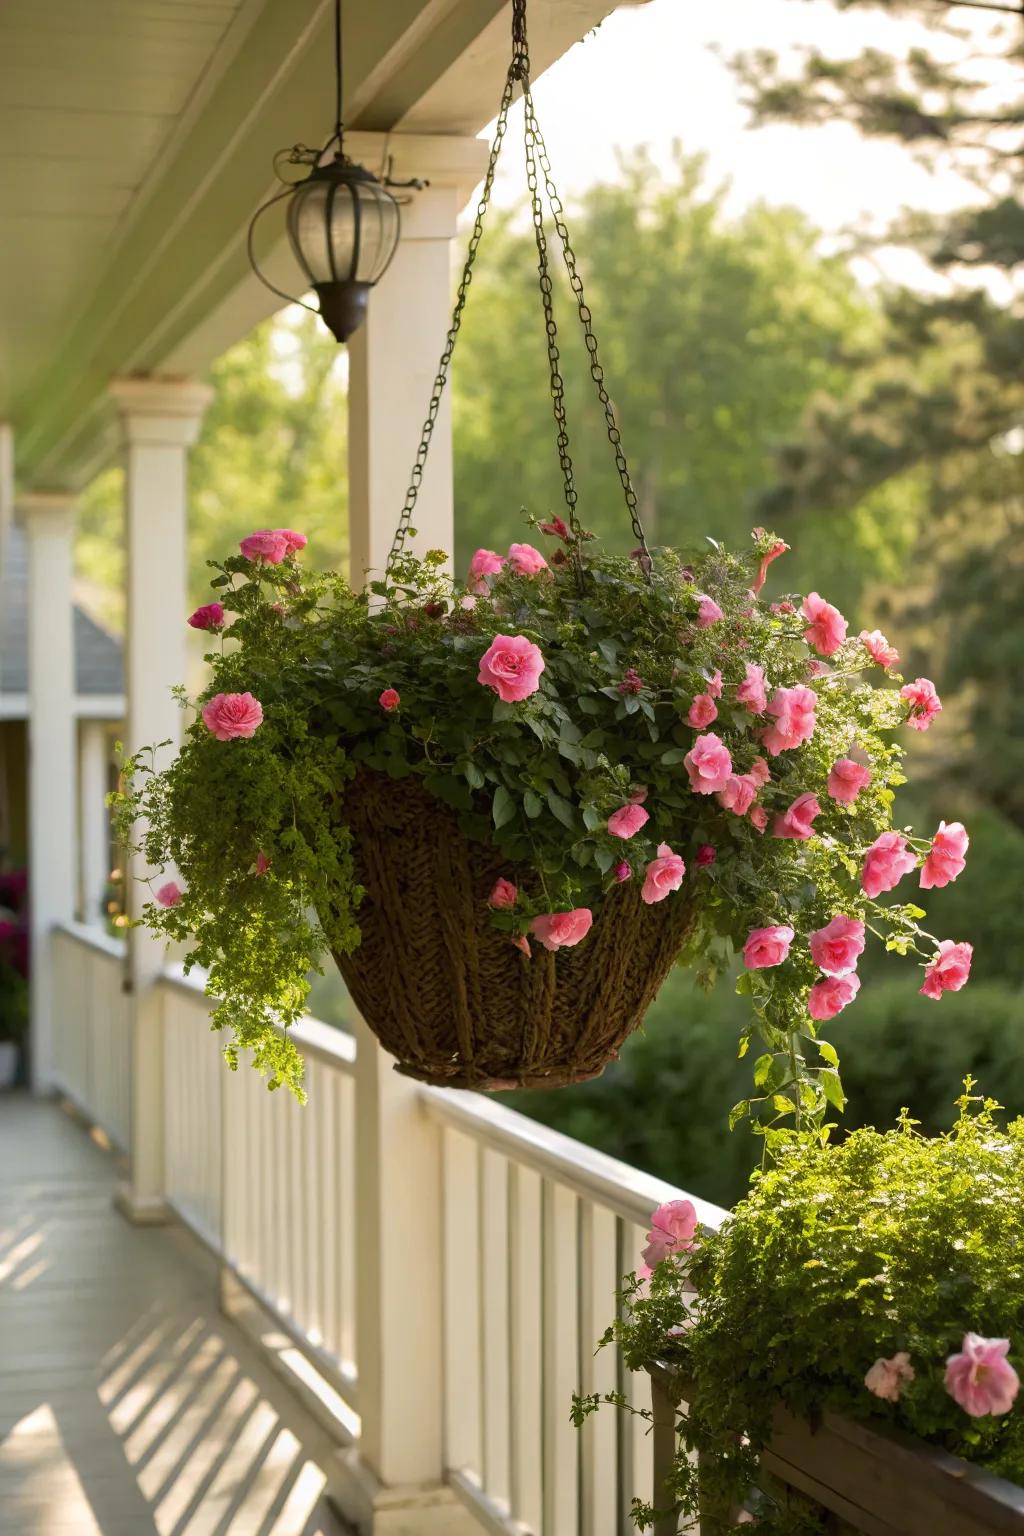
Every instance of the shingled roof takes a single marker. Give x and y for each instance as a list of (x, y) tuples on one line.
[(98, 662)]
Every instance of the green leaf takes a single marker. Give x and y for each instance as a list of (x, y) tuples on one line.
[(833, 1089), (738, 1112), (503, 807), (592, 819), (532, 804), (673, 755), (828, 1053), (604, 858), (473, 776), (561, 809), (762, 1069)]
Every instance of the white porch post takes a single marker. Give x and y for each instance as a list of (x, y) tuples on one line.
[(49, 524), (399, 1306), (93, 822), (160, 420)]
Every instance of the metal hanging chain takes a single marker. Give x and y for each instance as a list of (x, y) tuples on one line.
[(519, 71)]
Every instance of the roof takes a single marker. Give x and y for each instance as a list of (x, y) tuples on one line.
[(98, 661)]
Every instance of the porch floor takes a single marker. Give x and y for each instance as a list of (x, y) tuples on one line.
[(129, 1404)]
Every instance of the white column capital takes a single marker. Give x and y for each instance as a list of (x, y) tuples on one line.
[(42, 510), (160, 412)]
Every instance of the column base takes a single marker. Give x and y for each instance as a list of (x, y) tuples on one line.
[(141, 1210), (373, 1510)]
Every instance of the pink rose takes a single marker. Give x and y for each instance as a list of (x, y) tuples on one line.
[(715, 684), (293, 541), (793, 712), (706, 856), (759, 818), (924, 703), (946, 857), (662, 875), (766, 947), (777, 549), (170, 894), (210, 616), (751, 691), (390, 700), (229, 715), (627, 821), (262, 863), (512, 666), (739, 793), (980, 1378), (623, 871), (816, 668), (878, 647), (708, 763), (779, 609), (266, 544), (561, 930), (672, 1229), (504, 894), (836, 948), (831, 995), (798, 821), (846, 779), (483, 564), (827, 627), (525, 560), (949, 970), (760, 772), (887, 1378), (557, 528), (708, 612), (522, 942), (638, 794), (702, 711), (885, 863)]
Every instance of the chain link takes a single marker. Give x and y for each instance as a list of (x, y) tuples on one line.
[(519, 70)]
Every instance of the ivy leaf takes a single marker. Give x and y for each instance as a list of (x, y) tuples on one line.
[(503, 807)]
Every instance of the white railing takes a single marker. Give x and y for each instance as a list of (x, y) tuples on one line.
[(537, 1231)]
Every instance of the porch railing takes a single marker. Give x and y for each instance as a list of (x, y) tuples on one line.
[(537, 1230)]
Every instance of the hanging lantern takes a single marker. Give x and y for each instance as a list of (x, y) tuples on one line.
[(343, 224)]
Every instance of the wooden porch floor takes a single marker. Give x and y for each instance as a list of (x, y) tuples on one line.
[(129, 1404)]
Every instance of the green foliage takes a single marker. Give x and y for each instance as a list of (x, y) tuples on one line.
[(839, 1255)]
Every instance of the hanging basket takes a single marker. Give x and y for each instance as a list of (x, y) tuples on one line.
[(446, 993)]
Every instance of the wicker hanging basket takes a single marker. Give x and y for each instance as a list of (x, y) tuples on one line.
[(448, 995)]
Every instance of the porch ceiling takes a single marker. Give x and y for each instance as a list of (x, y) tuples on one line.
[(136, 139)]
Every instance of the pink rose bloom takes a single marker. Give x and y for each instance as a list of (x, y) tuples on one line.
[(836, 948), (557, 528), (781, 608), (924, 702), (266, 544), (709, 765), (759, 818), (831, 995), (170, 894), (210, 616), (760, 772), (504, 894), (798, 821), (390, 699), (229, 715), (846, 779), (708, 612), (293, 541), (672, 1229), (512, 666), (980, 1378), (766, 947), (525, 560), (793, 712), (561, 930), (522, 942), (262, 863), (885, 863), (638, 794), (715, 685), (706, 855), (702, 711), (777, 549), (949, 970), (878, 647), (946, 857), (662, 875), (739, 793), (816, 668), (623, 871), (483, 564), (827, 627), (751, 691), (887, 1378), (627, 821)]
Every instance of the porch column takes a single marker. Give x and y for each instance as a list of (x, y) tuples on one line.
[(399, 1307), (49, 524), (159, 420), (93, 819)]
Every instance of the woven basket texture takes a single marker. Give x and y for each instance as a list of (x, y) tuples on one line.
[(448, 995)]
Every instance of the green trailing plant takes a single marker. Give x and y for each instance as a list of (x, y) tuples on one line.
[(848, 1280), (594, 718)]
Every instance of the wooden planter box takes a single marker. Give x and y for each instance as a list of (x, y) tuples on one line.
[(865, 1480)]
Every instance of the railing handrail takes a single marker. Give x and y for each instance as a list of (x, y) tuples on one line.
[(93, 937)]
